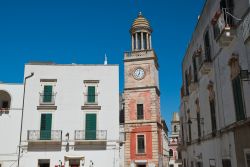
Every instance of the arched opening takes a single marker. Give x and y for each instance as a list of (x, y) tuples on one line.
[(175, 128), (5, 100)]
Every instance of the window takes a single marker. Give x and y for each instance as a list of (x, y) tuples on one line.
[(171, 154), (226, 163), (238, 98), (90, 127), (213, 116), (91, 94), (199, 124), (43, 163), (140, 114), (207, 47), (140, 144), (45, 128), (179, 155), (195, 70), (47, 93), (186, 83), (171, 165), (189, 133), (175, 128)]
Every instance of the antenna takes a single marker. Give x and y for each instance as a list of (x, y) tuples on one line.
[(105, 59)]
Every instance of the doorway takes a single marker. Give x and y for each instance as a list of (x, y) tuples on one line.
[(74, 162), (141, 165)]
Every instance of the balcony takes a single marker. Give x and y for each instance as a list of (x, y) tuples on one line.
[(245, 27), (88, 137), (38, 136), (47, 99), (224, 30)]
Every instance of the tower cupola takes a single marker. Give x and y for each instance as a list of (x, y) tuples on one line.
[(141, 34)]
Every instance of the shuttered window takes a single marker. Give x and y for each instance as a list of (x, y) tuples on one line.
[(91, 94), (45, 129), (238, 99), (140, 144), (47, 93), (213, 117), (90, 128), (140, 113)]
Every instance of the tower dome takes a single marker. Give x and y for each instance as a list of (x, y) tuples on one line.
[(141, 34), (140, 23)]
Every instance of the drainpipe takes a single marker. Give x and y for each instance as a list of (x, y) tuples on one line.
[(21, 129)]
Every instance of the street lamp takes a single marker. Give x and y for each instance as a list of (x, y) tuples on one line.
[(21, 129)]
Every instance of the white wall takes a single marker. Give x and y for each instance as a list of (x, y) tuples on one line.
[(69, 117), (10, 125)]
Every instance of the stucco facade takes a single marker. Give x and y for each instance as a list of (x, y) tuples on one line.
[(10, 121), (68, 126), (215, 106)]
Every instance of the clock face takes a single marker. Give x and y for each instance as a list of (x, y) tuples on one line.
[(139, 73)]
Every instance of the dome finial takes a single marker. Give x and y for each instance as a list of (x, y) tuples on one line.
[(140, 13)]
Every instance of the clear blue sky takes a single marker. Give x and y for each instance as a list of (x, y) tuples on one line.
[(82, 31)]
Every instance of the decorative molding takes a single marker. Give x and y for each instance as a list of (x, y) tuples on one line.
[(91, 81), (91, 107), (48, 80), (46, 107), (145, 87)]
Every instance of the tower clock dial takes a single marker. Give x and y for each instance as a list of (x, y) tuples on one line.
[(139, 73)]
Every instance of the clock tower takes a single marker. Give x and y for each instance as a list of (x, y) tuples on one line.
[(143, 138)]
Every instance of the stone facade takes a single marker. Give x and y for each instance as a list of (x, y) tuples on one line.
[(215, 108), (142, 89)]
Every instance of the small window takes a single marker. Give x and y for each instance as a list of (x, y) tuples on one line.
[(140, 144), (91, 94), (43, 163), (140, 114), (171, 154), (47, 93)]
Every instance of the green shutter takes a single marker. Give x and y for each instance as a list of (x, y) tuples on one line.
[(238, 99), (91, 94), (47, 93), (90, 129), (45, 129)]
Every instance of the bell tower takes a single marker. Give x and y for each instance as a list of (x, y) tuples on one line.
[(143, 139)]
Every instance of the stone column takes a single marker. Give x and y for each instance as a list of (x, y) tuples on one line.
[(147, 41), (150, 44), (136, 41), (142, 44), (132, 40)]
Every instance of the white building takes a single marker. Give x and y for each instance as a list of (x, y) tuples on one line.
[(165, 148), (10, 121), (71, 116), (215, 108)]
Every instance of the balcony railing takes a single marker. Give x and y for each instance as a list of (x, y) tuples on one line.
[(86, 135), (47, 99), (42, 135), (223, 24), (91, 100)]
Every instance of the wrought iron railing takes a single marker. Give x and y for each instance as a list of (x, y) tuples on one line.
[(91, 99), (47, 99), (90, 135), (39, 135)]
